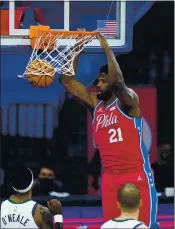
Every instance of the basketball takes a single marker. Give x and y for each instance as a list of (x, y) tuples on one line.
[(40, 73)]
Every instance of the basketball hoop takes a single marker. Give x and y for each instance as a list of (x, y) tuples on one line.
[(48, 47)]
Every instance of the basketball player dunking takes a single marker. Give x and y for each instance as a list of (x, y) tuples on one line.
[(20, 211), (129, 202), (117, 133)]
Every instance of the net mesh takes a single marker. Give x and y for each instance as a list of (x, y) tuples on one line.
[(50, 51)]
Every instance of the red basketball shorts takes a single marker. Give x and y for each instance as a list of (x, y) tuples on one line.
[(143, 180)]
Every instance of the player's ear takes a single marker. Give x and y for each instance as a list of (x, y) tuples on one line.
[(118, 205)]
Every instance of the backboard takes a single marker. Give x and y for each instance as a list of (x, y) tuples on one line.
[(113, 18)]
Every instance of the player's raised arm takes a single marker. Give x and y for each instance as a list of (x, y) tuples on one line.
[(76, 88), (126, 95)]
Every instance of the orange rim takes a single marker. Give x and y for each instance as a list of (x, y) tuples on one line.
[(36, 31), (43, 31)]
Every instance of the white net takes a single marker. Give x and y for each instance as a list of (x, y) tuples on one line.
[(49, 52)]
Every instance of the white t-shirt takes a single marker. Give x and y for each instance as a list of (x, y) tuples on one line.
[(127, 223), (18, 215)]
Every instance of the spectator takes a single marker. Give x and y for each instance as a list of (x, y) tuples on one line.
[(2, 174), (165, 154), (46, 182), (164, 167)]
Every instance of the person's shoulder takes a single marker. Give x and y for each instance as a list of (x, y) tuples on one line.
[(37, 182), (58, 183), (3, 203), (107, 224), (141, 226), (133, 93)]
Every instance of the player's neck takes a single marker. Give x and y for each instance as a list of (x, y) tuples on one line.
[(21, 198), (126, 215), (109, 101)]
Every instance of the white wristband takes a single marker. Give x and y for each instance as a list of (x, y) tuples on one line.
[(58, 218)]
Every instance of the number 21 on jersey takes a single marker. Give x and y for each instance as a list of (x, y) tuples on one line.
[(115, 135)]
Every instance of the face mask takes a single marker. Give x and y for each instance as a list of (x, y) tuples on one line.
[(165, 154), (46, 185)]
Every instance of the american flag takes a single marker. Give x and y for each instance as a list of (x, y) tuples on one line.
[(107, 27)]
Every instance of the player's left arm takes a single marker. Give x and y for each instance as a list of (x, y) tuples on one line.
[(44, 216), (47, 220), (127, 96)]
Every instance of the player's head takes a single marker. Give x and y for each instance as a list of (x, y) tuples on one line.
[(22, 179), (129, 198), (102, 85)]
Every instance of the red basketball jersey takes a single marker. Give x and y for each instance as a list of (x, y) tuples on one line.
[(118, 138)]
